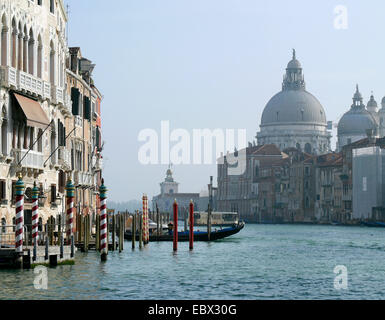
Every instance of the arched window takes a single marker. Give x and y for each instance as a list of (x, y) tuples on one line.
[(4, 137), (4, 41), (307, 202), (3, 224), (39, 57), (40, 224), (52, 6), (14, 44), (53, 147), (307, 148), (40, 140), (31, 53), (25, 50), (20, 48), (52, 64)]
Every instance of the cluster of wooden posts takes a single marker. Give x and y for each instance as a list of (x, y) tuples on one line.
[(88, 235)]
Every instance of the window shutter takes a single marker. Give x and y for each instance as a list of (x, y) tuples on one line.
[(87, 108), (75, 94), (2, 194), (53, 193), (64, 133)]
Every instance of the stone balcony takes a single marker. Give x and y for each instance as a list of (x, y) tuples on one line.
[(27, 83), (32, 160), (85, 179), (64, 157)]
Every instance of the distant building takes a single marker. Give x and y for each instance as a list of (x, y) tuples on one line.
[(239, 193), (169, 193), (369, 181)]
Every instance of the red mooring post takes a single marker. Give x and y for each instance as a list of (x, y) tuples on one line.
[(191, 235), (175, 242)]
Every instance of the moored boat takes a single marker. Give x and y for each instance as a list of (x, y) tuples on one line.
[(198, 235)]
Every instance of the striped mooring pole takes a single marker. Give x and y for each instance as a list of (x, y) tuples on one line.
[(19, 236), (35, 218), (103, 222), (191, 222), (175, 238), (70, 188), (146, 231)]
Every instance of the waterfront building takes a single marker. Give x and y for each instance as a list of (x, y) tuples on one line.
[(328, 204), (294, 118), (37, 112), (368, 181), (301, 191), (239, 193), (169, 193)]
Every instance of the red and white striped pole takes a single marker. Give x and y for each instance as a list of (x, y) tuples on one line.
[(191, 222), (35, 218), (103, 221), (70, 188), (19, 235), (175, 238), (146, 231)]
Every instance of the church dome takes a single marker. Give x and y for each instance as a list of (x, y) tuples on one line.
[(294, 64), (357, 120), (293, 105)]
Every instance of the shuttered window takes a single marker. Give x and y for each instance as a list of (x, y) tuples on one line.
[(87, 109), (3, 190), (53, 193), (75, 97)]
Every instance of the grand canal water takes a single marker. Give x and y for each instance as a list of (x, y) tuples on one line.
[(261, 262)]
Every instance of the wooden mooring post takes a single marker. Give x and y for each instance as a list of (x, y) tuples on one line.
[(113, 232), (133, 230), (121, 231), (140, 231)]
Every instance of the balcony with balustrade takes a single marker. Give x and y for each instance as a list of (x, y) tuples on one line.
[(24, 82), (84, 179), (31, 161)]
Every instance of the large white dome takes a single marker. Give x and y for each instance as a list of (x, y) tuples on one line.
[(293, 107)]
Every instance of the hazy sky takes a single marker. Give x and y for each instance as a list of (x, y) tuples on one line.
[(215, 64)]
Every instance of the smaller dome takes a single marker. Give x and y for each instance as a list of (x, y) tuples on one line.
[(372, 103), (294, 64), (355, 122)]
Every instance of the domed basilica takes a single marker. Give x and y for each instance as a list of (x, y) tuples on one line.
[(294, 117), (358, 121)]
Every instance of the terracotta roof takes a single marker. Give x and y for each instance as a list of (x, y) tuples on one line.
[(268, 149), (329, 159)]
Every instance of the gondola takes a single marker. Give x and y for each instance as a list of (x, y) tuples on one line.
[(375, 224), (198, 235)]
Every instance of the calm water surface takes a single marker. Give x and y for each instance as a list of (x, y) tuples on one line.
[(261, 262)]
